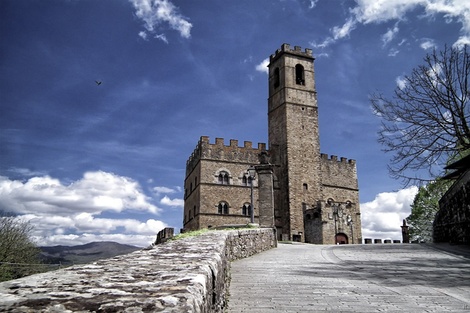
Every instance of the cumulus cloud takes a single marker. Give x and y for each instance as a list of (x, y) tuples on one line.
[(172, 202), (263, 66), (95, 192), (382, 217), (156, 12), (380, 11), (64, 212)]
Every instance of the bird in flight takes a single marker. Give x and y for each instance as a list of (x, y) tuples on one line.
[(98, 82)]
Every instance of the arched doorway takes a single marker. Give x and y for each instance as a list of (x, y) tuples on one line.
[(341, 239)]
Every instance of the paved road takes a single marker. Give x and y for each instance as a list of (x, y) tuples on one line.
[(352, 278)]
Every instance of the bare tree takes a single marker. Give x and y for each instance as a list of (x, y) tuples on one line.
[(19, 256), (425, 123)]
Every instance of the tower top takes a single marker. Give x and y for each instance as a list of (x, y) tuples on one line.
[(285, 49)]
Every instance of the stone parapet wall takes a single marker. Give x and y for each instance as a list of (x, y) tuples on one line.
[(186, 275)]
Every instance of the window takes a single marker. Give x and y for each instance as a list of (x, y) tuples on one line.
[(223, 207), (223, 178), (195, 211), (305, 187), (276, 77), (247, 180), (195, 181), (246, 210), (299, 75), (191, 187)]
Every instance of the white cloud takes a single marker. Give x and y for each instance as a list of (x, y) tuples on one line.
[(343, 31), (95, 192), (427, 44), (163, 190), (155, 12), (162, 37), (65, 212), (380, 11), (263, 66), (462, 41), (390, 35), (393, 52), (401, 82), (143, 34), (172, 202), (313, 3), (382, 217), (51, 229)]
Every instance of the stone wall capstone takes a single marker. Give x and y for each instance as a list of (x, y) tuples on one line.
[(186, 275)]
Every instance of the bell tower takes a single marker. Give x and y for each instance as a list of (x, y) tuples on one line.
[(293, 138)]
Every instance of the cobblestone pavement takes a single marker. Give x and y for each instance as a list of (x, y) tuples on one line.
[(352, 278)]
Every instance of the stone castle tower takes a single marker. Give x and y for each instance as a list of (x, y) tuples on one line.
[(316, 198)]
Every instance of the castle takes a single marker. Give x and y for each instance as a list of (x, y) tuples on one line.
[(316, 197)]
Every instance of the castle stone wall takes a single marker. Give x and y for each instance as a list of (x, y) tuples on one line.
[(339, 173), (187, 275), (202, 174), (452, 221)]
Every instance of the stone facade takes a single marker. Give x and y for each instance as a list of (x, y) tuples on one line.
[(217, 186), (180, 276), (316, 198)]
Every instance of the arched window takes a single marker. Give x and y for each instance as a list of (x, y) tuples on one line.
[(277, 81), (246, 210), (247, 180), (223, 178), (299, 75), (223, 207)]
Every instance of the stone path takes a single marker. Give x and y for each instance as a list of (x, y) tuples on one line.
[(352, 278)]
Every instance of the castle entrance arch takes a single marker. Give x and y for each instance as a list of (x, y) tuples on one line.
[(341, 238)]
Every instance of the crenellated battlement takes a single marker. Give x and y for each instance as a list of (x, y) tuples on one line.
[(334, 158), (338, 173), (285, 48), (219, 151)]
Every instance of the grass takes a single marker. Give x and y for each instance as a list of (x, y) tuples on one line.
[(205, 230), (190, 234)]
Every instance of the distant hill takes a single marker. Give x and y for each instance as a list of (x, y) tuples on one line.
[(86, 253)]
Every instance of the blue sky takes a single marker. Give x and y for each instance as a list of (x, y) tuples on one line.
[(86, 162)]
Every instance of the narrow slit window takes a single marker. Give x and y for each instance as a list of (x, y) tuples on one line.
[(299, 75), (276, 77)]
